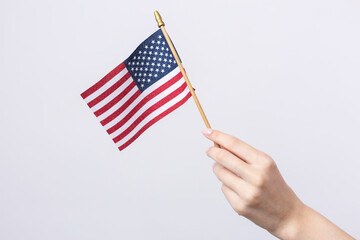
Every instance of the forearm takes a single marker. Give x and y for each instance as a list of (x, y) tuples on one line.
[(309, 224)]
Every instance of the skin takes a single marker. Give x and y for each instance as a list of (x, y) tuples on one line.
[(255, 189)]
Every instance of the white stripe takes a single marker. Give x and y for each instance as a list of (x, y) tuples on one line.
[(153, 115), (112, 95), (118, 104), (153, 101), (106, 86), (147, 91)]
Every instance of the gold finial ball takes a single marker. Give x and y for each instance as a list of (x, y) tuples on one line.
[(159, 19)]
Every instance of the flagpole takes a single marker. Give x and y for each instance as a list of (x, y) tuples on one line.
[(161, 25)]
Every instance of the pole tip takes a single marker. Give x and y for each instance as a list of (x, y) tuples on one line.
[(159, 19)]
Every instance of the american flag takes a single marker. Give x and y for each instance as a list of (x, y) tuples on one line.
[(140, 91)]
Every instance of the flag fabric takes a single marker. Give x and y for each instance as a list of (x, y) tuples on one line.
[(140, 91)]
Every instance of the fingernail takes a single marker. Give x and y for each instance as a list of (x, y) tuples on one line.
[(207, 131)]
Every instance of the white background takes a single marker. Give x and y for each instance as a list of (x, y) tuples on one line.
[(282, 75)]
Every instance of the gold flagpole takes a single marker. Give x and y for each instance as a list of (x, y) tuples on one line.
[(161, 25)]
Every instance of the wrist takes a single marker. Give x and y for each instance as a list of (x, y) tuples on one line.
[(292, 224)]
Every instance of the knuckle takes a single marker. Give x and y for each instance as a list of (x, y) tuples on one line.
[(241, 209), (260, 180), (220, 154), (223, 188), (233, 142), (217, 169), (238, 170), (253, 197), (220, 173), (267, 162)]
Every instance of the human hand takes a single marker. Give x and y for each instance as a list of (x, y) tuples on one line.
[(255, 189)]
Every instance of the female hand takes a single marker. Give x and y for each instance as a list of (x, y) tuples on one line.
[(255, 189)]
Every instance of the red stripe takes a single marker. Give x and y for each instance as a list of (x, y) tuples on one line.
[(143, 102), (149, 111), (154, 120), (109, 90), (116, 99), (104, 80), (121, 109)]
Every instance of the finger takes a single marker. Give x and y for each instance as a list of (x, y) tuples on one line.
[(235, 201), (228, 178), (230, 195), (234, 145), (231, 162)]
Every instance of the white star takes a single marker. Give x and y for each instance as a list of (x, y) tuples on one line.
[(159, 59), (159, 36), (148, 58), (147, 63), (137, 63), (140, 74), (142, 63), (156, 53), (165, 60), (132, 69), (167, 49), (138, 57), (145, 52), (161, 54), (143, 80), (164, 65), (157, 48), (151, 69), (170, 60), (155, 75), (146, 46), (166, 54), (150, 52), (169, 66), (135, 74), (162, 70), (158, 42), (143, 58), (163, 43), (151, 47), (152, 64), (138, 80), (162, 48), (158, 64), (156, 71), (152, 41), (154, 58), (141, 69), (146, 69), (139, 52), (136, 69), (148, 80), (150, 74), (144, 74), (142, 85)]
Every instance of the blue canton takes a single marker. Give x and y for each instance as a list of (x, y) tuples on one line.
[(151, 61)]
